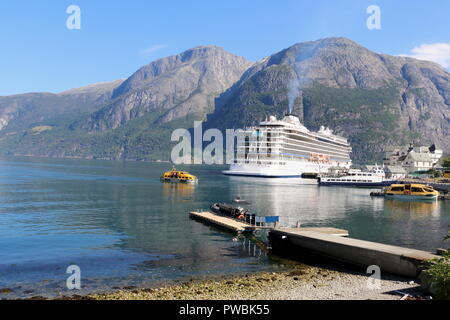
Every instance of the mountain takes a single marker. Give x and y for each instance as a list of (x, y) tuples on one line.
[(132, 119), (174, 87), (375, 100), (25, 111)]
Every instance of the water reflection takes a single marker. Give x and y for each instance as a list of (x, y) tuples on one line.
[(298, 200), (250, 248), (420, 225), (176, 191), (413, 209)]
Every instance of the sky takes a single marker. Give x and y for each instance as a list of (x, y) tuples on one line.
[(39, 53)]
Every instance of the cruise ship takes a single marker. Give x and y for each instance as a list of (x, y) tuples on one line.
[(287, 149)]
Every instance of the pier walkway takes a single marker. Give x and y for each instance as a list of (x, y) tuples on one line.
[(240, 226), (330, 243), (391, 259), (223, 221)]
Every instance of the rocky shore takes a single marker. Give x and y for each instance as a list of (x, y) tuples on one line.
[(301, 283)]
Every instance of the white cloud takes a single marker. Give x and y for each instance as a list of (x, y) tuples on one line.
[(436, 52), (152, 49)]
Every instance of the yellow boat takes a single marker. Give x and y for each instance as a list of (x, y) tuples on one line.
[(177, 176), (411, 192), (446, 174)]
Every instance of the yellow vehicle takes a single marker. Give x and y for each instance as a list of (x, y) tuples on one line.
[(177, 176), (411, 192), (446, 174)]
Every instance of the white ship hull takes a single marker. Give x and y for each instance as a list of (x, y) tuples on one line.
[(292, 169), (287, 149)]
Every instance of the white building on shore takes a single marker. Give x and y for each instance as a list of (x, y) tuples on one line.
[(395, 172), (412, 158)]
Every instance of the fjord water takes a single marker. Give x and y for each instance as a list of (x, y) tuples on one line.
[(123, 227)]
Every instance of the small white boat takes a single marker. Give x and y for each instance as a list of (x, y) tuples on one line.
[(357, 178), (240, 201)]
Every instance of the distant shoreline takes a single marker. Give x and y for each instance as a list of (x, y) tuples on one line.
[(81, 158)]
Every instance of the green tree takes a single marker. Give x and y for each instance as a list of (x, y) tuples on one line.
[(435, 173), (438, 274), (446, 162)]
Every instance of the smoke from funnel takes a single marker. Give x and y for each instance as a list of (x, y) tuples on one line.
[(293, 93), (299, 81), (294, 86), (301, 75)]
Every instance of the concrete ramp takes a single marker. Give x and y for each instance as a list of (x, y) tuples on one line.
[(390, 259), (330, 231)]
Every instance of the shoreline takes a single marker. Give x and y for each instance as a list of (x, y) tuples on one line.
[(298, 283)]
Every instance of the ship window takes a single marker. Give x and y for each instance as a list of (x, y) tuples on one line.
[(416, 189), (397, 189), (247, 146)]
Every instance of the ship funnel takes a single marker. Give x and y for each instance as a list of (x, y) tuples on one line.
[(294, 120)]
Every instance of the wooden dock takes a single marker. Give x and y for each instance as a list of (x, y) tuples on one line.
[(223, 221), (241, 227)]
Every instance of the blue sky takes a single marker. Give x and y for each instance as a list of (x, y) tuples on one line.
[(39, 53)]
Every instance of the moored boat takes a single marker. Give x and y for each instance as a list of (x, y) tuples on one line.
[(240, 201), (231, 211), (411, 192), (176, 176), (357, 178)]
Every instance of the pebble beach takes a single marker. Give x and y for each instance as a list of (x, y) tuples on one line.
[(302, 283)]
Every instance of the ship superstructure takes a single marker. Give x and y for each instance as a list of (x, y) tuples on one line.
[(286, 148)]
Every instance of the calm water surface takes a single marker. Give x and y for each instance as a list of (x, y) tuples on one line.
[(122, 227)]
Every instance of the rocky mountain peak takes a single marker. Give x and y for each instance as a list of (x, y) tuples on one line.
[(361, 94), (176, 86), (196, 57)]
